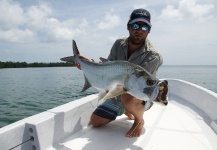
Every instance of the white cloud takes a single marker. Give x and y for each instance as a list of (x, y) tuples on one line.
[(136, 6), (170, 12), (110, 21), (47, 28), (186, 9), (190, 7), (64, 31), (11, 14), (16, 35), (21, 25), (37, 16)]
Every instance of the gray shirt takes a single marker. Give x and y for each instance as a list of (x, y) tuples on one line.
[(147, 56)]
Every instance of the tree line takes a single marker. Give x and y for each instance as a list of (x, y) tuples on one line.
[(10, 64)]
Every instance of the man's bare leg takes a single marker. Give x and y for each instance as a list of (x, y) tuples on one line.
[(98, 121), (129, 115), (135, 107)]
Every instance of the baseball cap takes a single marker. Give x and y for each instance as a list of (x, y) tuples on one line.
[(140, 15)]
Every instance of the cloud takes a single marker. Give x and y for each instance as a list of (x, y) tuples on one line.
[(36, 22), (186, 9), (170, 12), (110, 21), (63, 31), (11, 14), (136, 6), (37, 16), (16, 35)]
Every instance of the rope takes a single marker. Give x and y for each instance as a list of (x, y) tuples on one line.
[(31, 139)]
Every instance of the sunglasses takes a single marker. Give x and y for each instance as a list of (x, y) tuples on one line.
[(135, 26)]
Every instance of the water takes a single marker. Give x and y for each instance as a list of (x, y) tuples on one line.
[(28, 91), (205, 76)]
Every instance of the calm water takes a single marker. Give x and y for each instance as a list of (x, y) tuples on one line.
[(28, 91)]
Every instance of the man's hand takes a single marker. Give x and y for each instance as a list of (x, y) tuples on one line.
[(82, 57)]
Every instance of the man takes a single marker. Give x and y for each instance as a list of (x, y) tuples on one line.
[(136, 49)]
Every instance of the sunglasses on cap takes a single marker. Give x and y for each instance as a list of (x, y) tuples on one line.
[(135, 26)]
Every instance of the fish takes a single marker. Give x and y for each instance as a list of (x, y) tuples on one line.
[(113, 78)]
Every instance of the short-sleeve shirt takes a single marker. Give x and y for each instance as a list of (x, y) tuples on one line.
[(147, 56)]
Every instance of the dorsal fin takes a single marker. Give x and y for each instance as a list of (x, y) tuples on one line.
[(75, 48), (103, 59), (87, 84)]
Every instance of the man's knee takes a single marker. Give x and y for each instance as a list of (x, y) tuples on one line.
[(127, 99), (98, 121), (132, 104)]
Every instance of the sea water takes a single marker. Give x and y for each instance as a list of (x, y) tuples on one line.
[(28, 91)]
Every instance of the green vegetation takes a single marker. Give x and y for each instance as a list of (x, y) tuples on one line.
[(10, 64)]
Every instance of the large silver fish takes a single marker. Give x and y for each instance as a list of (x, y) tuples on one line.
[(113, 78)]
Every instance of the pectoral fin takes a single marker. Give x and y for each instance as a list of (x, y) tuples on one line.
[(86, 84), (118, 90), (102, 94), (103, 59)]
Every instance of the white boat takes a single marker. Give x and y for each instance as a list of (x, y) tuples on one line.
[(188, 122)]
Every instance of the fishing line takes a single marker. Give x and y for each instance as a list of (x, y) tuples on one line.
[(31, 139)]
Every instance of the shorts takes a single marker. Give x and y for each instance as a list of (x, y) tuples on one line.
[(110, 109)]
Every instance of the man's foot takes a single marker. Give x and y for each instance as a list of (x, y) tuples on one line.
[(129, 115), (136, 129)]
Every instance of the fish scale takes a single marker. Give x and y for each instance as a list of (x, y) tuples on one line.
[(94, 73)]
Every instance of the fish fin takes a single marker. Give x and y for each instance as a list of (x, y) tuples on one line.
[(68, 59), (118, 90), (102, 94), (103, 59), (86, 84), (75, 48), (75, 52)]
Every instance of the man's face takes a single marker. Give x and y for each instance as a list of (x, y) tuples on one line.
[(138, 36)]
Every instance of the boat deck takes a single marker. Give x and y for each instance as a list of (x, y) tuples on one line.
[(188, 122), (180, 126)]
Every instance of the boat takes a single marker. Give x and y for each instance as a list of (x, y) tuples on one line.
[(188, 122)]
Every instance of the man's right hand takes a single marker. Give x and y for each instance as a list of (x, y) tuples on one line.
[(82, 57)]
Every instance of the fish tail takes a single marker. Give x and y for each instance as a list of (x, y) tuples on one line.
[(72, 59), (68, 59)]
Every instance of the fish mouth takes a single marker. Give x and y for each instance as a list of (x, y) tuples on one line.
[(152, 92)]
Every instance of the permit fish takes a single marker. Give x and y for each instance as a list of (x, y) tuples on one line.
[(113, 78)]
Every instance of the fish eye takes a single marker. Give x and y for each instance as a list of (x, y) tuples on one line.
[(150, 82)]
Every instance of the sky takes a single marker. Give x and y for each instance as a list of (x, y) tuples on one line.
[(184, 31)]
